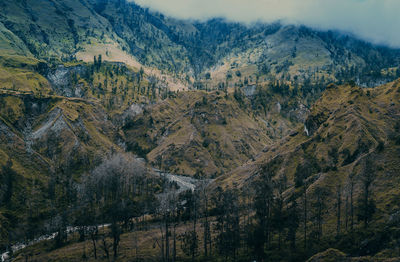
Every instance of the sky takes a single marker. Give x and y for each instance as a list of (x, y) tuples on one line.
[(377, 21)]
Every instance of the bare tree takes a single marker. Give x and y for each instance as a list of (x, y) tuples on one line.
[(111, 187), (168, 210), (204, 202)]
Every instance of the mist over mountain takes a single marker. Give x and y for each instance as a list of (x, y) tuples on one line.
[(371, 20), (221, 130)]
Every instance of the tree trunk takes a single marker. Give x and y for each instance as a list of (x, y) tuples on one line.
[(366, 200), (305, 217), (351, 206), (116, 233), (194, 228), (166, 237), (206, 227), (347, 212), (105, 248), (319, 218), (115, 246), (162, 243), (205, 237), (93, 236), (339, 204), (174, 245)]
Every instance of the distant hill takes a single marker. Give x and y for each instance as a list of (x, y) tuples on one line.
[(194, 52)]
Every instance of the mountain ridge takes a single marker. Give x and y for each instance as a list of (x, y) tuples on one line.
[(193, 48), (89, 85)]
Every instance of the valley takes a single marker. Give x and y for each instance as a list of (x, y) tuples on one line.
[(193, 140)]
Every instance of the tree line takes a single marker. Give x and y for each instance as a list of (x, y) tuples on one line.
[(266, 220)]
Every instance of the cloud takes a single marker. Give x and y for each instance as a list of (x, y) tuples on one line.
[(377, 21)]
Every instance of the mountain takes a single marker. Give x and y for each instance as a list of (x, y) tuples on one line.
[(199, 133), (191, 50), (95, 92), (346, 126), (348, 146)]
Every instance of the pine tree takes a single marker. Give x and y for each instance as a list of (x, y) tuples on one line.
[(366, 203), (318, 209), (263, 200), (8, 175), (227, 223), (293, 221)]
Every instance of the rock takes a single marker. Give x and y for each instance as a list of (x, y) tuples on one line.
[(300, 113), (4, 257), (278, 107), (60, 79), (313, 122), (249, 90)]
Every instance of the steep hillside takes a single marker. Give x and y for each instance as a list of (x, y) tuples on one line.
[(33, 22), (246, 105), (10, 44), (213, 52), (347, 120), (199, 54), (351, 136), (47, 142), (57, 123), (300, 55), (27, 27), (64, 133), (199, 133)]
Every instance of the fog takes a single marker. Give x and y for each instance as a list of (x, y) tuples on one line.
[(377, 21)]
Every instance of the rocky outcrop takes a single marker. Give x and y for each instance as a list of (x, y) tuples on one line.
[(313, 122), (62, 80)]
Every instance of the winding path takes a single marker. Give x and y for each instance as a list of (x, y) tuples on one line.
[(184, 183)]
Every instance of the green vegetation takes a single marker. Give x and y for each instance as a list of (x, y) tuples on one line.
[(285, 167), (342, 176), (202, 54), (199, 133)]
